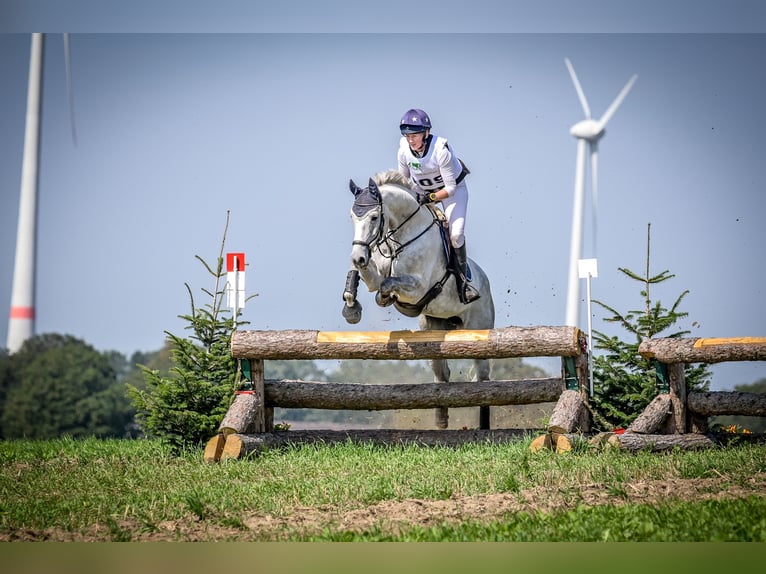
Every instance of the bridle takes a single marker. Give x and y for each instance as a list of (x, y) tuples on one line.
[(380, 238)]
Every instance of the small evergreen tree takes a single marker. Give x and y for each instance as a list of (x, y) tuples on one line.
[(624, 381), (186, 406)]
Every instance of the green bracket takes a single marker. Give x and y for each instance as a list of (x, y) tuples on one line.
[(663, 379), (246, 375), (570, 374)]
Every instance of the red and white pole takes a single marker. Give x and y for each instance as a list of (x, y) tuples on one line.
[(235, 282)]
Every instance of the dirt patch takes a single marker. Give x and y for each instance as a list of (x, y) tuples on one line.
[(391, 515)]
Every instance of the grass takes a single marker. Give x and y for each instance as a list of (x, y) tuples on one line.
[(131, 490), (709, 521)]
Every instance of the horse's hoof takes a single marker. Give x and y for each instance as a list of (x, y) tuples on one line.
[(383, 301), (352, 314)]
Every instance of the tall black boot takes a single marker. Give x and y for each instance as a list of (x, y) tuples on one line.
[(465, 291)]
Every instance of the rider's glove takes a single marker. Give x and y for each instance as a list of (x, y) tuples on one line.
[(424, 198)]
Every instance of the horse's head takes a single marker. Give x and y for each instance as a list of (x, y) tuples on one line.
[(368, 219)]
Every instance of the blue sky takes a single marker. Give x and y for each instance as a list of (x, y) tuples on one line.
[(174, 129)]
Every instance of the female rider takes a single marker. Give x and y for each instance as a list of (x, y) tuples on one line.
[(429, 162)]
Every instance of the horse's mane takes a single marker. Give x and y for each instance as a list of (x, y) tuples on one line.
[(393, 176)]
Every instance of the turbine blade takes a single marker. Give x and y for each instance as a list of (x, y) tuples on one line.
[(580, 93), (70, 93), (594, 191), (617, 101)]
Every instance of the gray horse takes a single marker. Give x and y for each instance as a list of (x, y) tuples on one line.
[(402, 255)]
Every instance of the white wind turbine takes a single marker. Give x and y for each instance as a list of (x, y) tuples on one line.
[(21, 322), (588, 132)]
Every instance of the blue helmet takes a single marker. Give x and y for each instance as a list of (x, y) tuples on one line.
[(414, 121)]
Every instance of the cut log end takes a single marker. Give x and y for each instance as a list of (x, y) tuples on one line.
[(214, 448), (540, 443)]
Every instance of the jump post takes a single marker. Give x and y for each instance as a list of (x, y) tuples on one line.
[(249, 424), (676, 418)]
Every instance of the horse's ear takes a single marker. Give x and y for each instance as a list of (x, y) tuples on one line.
[(373, 188), (353, 187)]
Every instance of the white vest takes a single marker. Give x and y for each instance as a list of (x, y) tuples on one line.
[(437, 169)]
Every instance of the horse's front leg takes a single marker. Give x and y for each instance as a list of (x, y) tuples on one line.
[(352, 309), (405, 288)]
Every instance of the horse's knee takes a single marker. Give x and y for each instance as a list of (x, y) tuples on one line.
[(383, 300)]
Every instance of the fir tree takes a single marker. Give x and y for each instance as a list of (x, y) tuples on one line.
[(186, 406), (624, 381)]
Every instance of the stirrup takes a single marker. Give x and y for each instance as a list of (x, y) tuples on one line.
[(468, 294)]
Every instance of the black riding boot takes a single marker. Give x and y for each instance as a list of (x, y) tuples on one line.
[(465, 291)]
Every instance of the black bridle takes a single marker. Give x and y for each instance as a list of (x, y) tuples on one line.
[(380, 238)]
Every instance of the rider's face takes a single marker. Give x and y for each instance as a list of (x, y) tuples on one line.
[(417, 141)]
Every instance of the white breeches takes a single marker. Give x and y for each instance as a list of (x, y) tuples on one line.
[(455, 209)]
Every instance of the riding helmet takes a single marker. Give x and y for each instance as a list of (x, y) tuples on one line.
[(414, 121)]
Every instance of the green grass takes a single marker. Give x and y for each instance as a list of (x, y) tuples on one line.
[(710, 521), (132, 489)]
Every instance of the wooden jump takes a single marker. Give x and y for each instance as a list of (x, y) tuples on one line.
[(675, 418), (497, 343), (249, 425), (679, 414)]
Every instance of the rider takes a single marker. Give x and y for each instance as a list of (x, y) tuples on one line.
[(430, 163)]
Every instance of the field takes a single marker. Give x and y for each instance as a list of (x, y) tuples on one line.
[(113, 490)]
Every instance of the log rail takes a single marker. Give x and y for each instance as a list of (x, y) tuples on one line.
[(497, 343)]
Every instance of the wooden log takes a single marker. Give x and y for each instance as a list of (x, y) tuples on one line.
[(240, 445), (653, 416), (544, 341), (263, 418), (677, 383), (694, 350), (569, 415), (214, 448), (355, 396), (560, 443), (543, 442), (727, 403), (660, 442), (240, 418)]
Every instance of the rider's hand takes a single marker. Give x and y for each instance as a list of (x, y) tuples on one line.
[(424, 198)]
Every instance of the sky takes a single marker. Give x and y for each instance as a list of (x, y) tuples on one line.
[(181, 123)]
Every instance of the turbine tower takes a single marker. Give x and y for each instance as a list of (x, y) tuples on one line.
[(588, 133), (21, 322)]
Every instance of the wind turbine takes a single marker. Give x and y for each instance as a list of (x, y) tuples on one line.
[(588, 133), (21, 322)]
